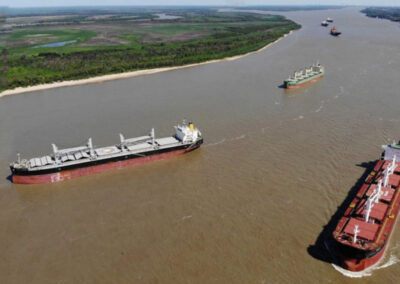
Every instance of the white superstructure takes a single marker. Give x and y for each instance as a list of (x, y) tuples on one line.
[(187, 133)]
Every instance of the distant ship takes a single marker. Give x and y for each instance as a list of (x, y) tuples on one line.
[(335, 32), (324, 23), (363, 232), (65, 164), (329, 20), (305, 76)]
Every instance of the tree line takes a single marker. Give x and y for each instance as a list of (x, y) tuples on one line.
[(47, 67)]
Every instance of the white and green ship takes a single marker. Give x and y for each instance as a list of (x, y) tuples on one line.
[(305, 76)]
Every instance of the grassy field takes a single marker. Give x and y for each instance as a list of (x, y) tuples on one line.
[(29, 41), (96, 43)]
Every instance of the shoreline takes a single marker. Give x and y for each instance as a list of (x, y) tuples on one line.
[(130, 74)]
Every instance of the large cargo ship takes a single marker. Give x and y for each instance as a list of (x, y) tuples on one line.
[(65, 164), (304, 77), (335, 32), (363, 232), (324, 23)]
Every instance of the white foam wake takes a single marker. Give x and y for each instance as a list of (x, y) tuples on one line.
[(264, 128), (392, 260), (367, 272), (340, 93), (320, 107), (353, 274), (215, 143), (239, 137), (299, 117), (224, 140)]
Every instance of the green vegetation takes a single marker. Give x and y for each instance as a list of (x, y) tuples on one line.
[(34, 39), (293, 8), (199, 35), (60, 34), (389, 13)]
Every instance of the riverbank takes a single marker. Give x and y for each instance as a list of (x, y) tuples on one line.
[(389, 13), (103, 78)]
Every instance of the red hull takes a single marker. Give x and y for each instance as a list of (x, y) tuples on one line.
[(304, 84), (388, 222), (360, 265), (79, 172)]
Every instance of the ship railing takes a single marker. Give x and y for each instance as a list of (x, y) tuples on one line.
[(20, 164)]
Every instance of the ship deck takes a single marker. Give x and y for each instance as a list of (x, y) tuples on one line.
[(368, 221), (80, 155)]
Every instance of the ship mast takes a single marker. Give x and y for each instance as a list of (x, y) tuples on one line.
[(122, 140), (356, 231), (90, 146), (369, 207), (153, 136), (374, 198), (55, 152)]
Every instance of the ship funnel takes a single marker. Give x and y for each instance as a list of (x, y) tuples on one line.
[(18, 158), (121, 138)]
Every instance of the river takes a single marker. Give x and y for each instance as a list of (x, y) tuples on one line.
[(248, 207)]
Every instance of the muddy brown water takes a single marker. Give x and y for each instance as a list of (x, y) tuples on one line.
[(248, 207)]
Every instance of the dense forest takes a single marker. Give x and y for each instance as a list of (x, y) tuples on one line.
[(49, 65), (287, 8), (392, 14)]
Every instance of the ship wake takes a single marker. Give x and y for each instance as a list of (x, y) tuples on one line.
[(215, 143), (367, 272)]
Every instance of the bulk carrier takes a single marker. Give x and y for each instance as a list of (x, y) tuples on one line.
[(65, 164), (304, 77), (363, 232), (335, 32), (324, 23)]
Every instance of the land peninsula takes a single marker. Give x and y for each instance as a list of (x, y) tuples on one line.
[(55, 47), (389, 13)]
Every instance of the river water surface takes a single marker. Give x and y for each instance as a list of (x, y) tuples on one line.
[(248, 207)]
